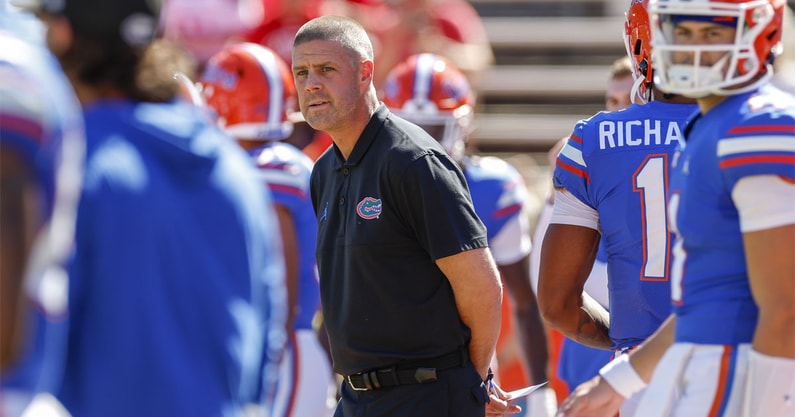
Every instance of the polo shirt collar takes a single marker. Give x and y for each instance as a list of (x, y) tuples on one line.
[(366, 138)]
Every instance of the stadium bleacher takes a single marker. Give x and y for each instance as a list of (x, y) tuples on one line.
[(552, 61)]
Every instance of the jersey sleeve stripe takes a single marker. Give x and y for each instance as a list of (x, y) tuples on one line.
[(577, 139), (507, 211), (741, 130), (573, 169), (282, 178), (22, 126), (748, 144), (573, 154), (286, 189), (757, 159)]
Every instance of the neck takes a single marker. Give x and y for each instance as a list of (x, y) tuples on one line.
[(709, 102), (346, 139), (87, 94), (671, 98)]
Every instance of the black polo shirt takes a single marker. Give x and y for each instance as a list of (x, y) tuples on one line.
[(384, 216)]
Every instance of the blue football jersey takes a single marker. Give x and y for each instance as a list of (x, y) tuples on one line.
[(745, 135), (176, 292), (41, 122), (286, 171), (617, 163), (497, 189)]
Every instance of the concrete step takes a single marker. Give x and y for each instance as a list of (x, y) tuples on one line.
[(531, 83), (577, 33), (552, 61), (516, 132), (541, 7)]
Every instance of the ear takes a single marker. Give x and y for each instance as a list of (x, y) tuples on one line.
[(367, 71), (59, 34)]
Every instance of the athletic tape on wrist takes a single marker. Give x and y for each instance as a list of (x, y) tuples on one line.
[(620, 374)]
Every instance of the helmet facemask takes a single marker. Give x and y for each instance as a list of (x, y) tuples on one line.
[(449, 128), (699, 70)]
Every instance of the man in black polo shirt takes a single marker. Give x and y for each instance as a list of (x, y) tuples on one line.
[(411, 295)]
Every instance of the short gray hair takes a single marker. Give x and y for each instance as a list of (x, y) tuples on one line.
[(343, 30)]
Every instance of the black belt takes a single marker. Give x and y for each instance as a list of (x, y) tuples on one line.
[(419, 372)]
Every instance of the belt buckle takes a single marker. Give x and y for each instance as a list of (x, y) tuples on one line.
[(353, 387), (423, 375)]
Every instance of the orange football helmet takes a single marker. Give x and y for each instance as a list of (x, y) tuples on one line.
[(430, 91), (637, 39), (251, 91)]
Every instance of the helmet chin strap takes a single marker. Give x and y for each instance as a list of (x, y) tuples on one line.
[(696, 76), (746, 88), (634, 93)]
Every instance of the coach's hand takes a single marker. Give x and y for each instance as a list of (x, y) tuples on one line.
[(498, 405)]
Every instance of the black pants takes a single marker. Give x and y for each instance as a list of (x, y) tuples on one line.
[(457, 392)]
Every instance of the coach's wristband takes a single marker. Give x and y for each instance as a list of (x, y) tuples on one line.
[(620, 374)]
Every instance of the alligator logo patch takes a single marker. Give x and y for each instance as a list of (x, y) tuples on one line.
[(369, 208)]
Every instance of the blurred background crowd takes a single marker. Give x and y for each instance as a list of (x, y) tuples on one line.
[(536, 67)]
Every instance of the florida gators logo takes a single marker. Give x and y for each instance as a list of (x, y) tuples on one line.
[(369, 208)]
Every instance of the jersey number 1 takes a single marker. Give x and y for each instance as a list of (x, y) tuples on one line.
[(651, 182)]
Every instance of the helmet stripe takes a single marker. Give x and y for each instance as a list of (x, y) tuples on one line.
[(423, 77), (268, 64)]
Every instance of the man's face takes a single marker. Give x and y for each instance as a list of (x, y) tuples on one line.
[(689, 32), (328, 83), (617, 95)]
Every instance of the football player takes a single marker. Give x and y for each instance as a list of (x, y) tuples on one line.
[(41, 154), (251, 92), (611, 182), (579, 363), (728, 349), (175, 290), (430, 91)]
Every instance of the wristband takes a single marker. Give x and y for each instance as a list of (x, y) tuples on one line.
[(488, 385), (620, 374), (542, 403)]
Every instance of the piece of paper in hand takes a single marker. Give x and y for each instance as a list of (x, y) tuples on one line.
[(523, 392)]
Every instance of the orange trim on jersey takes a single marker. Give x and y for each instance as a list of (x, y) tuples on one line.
[(723, 379), (574, 170)]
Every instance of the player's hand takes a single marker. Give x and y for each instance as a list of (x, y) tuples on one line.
[(593, 398), (542, 403), (498, 405)]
